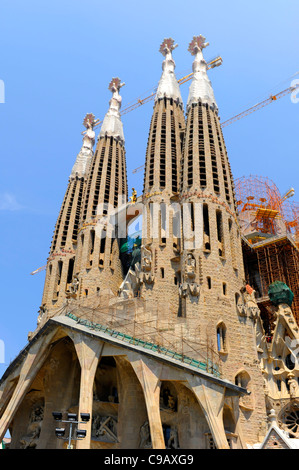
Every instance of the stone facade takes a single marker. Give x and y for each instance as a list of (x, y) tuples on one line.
[(170, 352)]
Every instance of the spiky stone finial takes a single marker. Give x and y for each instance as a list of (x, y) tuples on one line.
[(115, 84), (89, 120), (167, 46), (200, 88), (112, 125), (197, 44)]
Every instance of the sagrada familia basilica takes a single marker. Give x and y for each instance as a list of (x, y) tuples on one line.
[(156, 341)]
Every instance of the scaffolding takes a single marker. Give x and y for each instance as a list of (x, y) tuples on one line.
[(273, 260), (263, 211), (269, 224), (140, 323)]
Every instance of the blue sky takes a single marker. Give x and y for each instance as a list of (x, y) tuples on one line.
[(57, 59)]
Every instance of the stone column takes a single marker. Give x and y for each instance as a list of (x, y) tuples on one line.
[(35, 358), (148, 373), (89, 352), (234, 401), (211, 399)]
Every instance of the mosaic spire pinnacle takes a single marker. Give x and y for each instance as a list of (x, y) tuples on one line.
[(200, 88), (84, 156), (168, 86), (112, 125)]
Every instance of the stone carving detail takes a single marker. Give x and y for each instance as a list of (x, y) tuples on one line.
[(134, 196), (146, 274), (190, 266), (167, 400), (246, 304), (183, 290), (29, 441), (194, 289), (189, 284), (292, 384), (73, 288), (42, 311), (104, 428), (145, 436), (173, 442)]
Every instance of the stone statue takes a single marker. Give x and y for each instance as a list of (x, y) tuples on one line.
[(41, 312), (105, 428), (292, 384), (145, 436), (146, 266), (147, 259), (173, 439), (115, 102), (183, 290), (190, 266), (89, 134), (194, 289), (171, 402), (74, 285), (29, 441), (134, 196)]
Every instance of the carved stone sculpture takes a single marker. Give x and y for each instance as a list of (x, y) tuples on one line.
[(145, 436), (292, 385), (173, 442), (29, 441), (146, 274), (104, 428)]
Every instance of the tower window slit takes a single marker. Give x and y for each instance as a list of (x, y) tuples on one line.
[(173, 155), (213, 155), (206, 227), (202, 161), (220, 233), (163, 150), (103, 243), (70, 270), (152, 149)]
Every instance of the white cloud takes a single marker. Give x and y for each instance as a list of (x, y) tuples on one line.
[(8, 202)]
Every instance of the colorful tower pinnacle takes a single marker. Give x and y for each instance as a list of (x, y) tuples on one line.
[(97, 258), (61, 259)]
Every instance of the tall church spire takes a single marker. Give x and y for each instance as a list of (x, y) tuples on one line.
[(200, 88), (159, 254), (97, 260), (63, 248)]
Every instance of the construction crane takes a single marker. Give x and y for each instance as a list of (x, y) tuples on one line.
[(42, 268), (260, 105)]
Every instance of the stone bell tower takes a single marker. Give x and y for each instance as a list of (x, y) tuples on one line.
[(211, 240), (60, 266), (98, 265), (161, 238), (212, 270)]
